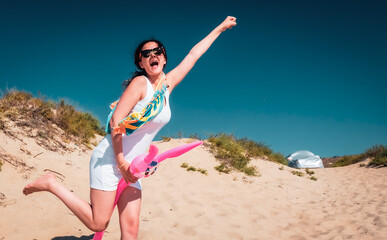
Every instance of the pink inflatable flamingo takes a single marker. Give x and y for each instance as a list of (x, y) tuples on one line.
[(145, 165)]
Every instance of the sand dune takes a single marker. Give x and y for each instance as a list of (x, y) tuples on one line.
[(344, 203)]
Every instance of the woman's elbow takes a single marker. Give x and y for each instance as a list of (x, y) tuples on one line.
[(193, 56)]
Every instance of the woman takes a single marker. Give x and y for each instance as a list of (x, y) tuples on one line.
[(111, 158)]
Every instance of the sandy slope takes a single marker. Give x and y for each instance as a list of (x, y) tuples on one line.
[(344, 203)]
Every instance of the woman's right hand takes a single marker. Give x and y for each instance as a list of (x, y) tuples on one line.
[(127, 175), (228, 23)]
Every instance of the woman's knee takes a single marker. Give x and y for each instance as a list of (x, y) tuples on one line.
[(129, 212), (99, 226), (130, 225), (130, 230)]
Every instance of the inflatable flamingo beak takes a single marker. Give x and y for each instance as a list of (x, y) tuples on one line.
[(177, 151), (153, 150)]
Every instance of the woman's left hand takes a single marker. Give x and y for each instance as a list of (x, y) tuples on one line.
[(228, 23), (127, 175)]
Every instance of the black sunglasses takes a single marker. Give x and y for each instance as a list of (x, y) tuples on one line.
[(157, 51)]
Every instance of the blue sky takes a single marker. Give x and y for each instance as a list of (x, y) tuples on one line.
[(295, 75)]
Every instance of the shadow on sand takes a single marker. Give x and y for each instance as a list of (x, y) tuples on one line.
[(74, 238)]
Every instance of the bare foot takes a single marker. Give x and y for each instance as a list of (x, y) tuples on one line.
[(41, 184)]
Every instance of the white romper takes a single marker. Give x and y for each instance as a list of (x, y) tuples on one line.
[(104, 174)]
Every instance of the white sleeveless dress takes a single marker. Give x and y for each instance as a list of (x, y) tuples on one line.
[(104, 174)]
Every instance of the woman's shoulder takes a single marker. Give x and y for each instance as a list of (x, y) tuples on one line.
[(139, 80), (137, 87)]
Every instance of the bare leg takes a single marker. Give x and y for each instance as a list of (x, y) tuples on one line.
[(129, 212), (95, 216)]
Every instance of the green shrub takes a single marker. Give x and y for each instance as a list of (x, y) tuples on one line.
[(230, 153), (75, 123), (313, 178), (250, 171), (15, 104), (190, 168), (16, 97), (298, 173), (202, 171), (42, 109), (21, 105), (347, 160), (309, 172), (184, 165), (379, 161), (278, 157), (254, 149), (380, 157), (375, 151), (236, 153), (377, 154), (223, 168)]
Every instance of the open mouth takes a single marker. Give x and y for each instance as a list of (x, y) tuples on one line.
[(154, 63)]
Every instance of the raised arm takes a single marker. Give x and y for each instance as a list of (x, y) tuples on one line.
[(175, 76)]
